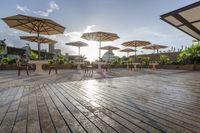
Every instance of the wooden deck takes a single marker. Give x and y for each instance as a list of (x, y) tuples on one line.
[(145, 103)]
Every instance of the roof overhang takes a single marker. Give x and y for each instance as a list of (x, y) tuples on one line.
[(186, 19)]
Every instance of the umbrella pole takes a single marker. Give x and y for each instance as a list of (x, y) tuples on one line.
[(157, 55), (79, 53), (128, 59), (135, 54), (109, 55), (154, 54), (99, 50), (38, 35)]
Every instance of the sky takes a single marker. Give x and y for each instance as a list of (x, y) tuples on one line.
[(130, 19)]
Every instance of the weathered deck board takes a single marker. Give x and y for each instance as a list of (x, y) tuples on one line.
[(142, 106), (58, 120), (159, 102)]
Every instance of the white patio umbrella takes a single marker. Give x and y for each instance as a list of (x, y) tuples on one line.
[(155, 47), (34, 25), (109, 48), (100, 37), (127, 50), (78, 44), (136, 43)]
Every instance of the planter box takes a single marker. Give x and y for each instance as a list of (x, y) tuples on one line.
[(61, 66), (197, 67), (13, 67), (178, 67), (118, 66)]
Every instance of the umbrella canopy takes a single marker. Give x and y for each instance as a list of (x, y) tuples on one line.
[(109, 48), (155, 47), (38, 40), (78, 44), (127, 50), (136, 43), (101, 37), (34, 25)]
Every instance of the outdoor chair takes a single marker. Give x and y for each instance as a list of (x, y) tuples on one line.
[(106, 67), (88, 69), (51, 67), (130, 67), (22, 67)]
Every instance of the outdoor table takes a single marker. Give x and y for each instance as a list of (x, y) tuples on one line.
[(154, 65), (38, 65), (135, 65), (99, 66), (79, 65)]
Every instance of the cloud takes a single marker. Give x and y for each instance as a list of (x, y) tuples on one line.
[(22, 9), (76, 35), (52, 6), (89, 28)]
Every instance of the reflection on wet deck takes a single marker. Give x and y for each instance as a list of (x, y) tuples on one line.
[(161, 102)]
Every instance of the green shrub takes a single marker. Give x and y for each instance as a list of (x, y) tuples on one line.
[(50, 62), (165, 59), (33, 56), (1, 50), (192, 54), (8, 60), (59, 59)]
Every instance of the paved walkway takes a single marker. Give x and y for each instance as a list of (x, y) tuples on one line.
[(159, 101)]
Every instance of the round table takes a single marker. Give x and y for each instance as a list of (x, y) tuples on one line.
[(99, 66), (135, 65), (154, 65), (79, 64), (38, 65)]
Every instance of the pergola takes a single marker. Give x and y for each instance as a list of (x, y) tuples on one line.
[(186, 19)]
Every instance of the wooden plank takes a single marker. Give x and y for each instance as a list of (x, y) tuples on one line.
[(104, 127), (132, 125), (57, 118), (152, 114), (74, 125), (44, 116), (33, 125), (4, 102), (138, 120), (22, 113), (9, 117), (187, 125), (171, 110), (86, 123)]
